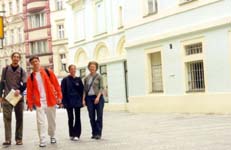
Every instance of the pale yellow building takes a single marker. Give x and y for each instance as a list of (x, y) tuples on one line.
[(13, 31)]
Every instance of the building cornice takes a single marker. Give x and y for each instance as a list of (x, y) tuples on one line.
[(186, 30)]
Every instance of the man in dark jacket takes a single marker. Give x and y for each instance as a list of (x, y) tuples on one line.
[(13, 77), (72, 89)]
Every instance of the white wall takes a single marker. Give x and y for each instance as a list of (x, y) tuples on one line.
[(116, 82), (217, 64), (173, 22)]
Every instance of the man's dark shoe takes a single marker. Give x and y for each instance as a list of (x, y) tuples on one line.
[(6, 143)]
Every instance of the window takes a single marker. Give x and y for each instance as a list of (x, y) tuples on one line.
[(3, 7), (194, 67), (12, 36), (5, 38), (193, 49), (103, 72), (59, 4), (60, 31), (17, 6), (156, 67), (37, 20), (80, 29), (100, 17), (38, 47), (63, 66), (82, 73), (150, 7), (10, 8), (19, 35), (195, 76), (120, 17)]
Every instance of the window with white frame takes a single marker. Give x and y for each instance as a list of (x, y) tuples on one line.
[(79, 25), (195, 68), (156, 69), (3, 7), (37, 20), (20, 35), (59, 4), (10, 8), (18, 6), (39, 47), (100, 17), (63, 66), (60, 31), (120, 17), (150, 7), (5, 38), (12, 36)]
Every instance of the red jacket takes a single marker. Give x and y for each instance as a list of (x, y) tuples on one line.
[(52, 89)]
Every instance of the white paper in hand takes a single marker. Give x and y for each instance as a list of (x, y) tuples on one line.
[(12, 99)]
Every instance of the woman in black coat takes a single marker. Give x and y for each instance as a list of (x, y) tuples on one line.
[(72, 89)]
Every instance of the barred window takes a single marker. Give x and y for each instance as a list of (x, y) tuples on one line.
[(193, 49), (157, 83), (196, 81), (156, 66)]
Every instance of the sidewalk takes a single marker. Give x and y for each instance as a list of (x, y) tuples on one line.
[(129, 131)]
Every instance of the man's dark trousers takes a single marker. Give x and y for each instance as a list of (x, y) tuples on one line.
[(7, 117)]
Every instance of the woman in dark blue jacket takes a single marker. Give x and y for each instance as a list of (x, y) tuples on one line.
[(72, 89)]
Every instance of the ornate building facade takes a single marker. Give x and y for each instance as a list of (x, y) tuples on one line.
[(37, 30), (13, 31)]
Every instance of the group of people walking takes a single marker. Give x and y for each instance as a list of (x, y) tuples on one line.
[(44, 93)]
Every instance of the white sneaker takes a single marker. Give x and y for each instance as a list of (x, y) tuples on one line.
[(75, 139), (42, 144)]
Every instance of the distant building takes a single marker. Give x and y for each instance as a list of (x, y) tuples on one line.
[(59, 36), (37, 28), (13, 32)]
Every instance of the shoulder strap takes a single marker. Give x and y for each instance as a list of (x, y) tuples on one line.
[(31, 76), (5, 72), (21, 74), (92, 83), (47, 72)]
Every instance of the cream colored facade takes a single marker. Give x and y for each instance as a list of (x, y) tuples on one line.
[(96, 32), (156, 55), (13, 32), (168, 34), (59, 35)]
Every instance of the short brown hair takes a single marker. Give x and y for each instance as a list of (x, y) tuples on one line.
[(72, 65), (93, 63), (14, 53), (33, 57)]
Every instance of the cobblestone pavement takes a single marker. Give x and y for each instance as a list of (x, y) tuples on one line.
[(135, 131)]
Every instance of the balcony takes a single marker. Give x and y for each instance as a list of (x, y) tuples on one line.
[(36, 5)]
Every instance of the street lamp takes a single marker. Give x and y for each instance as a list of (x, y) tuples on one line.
[(64, 64)]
